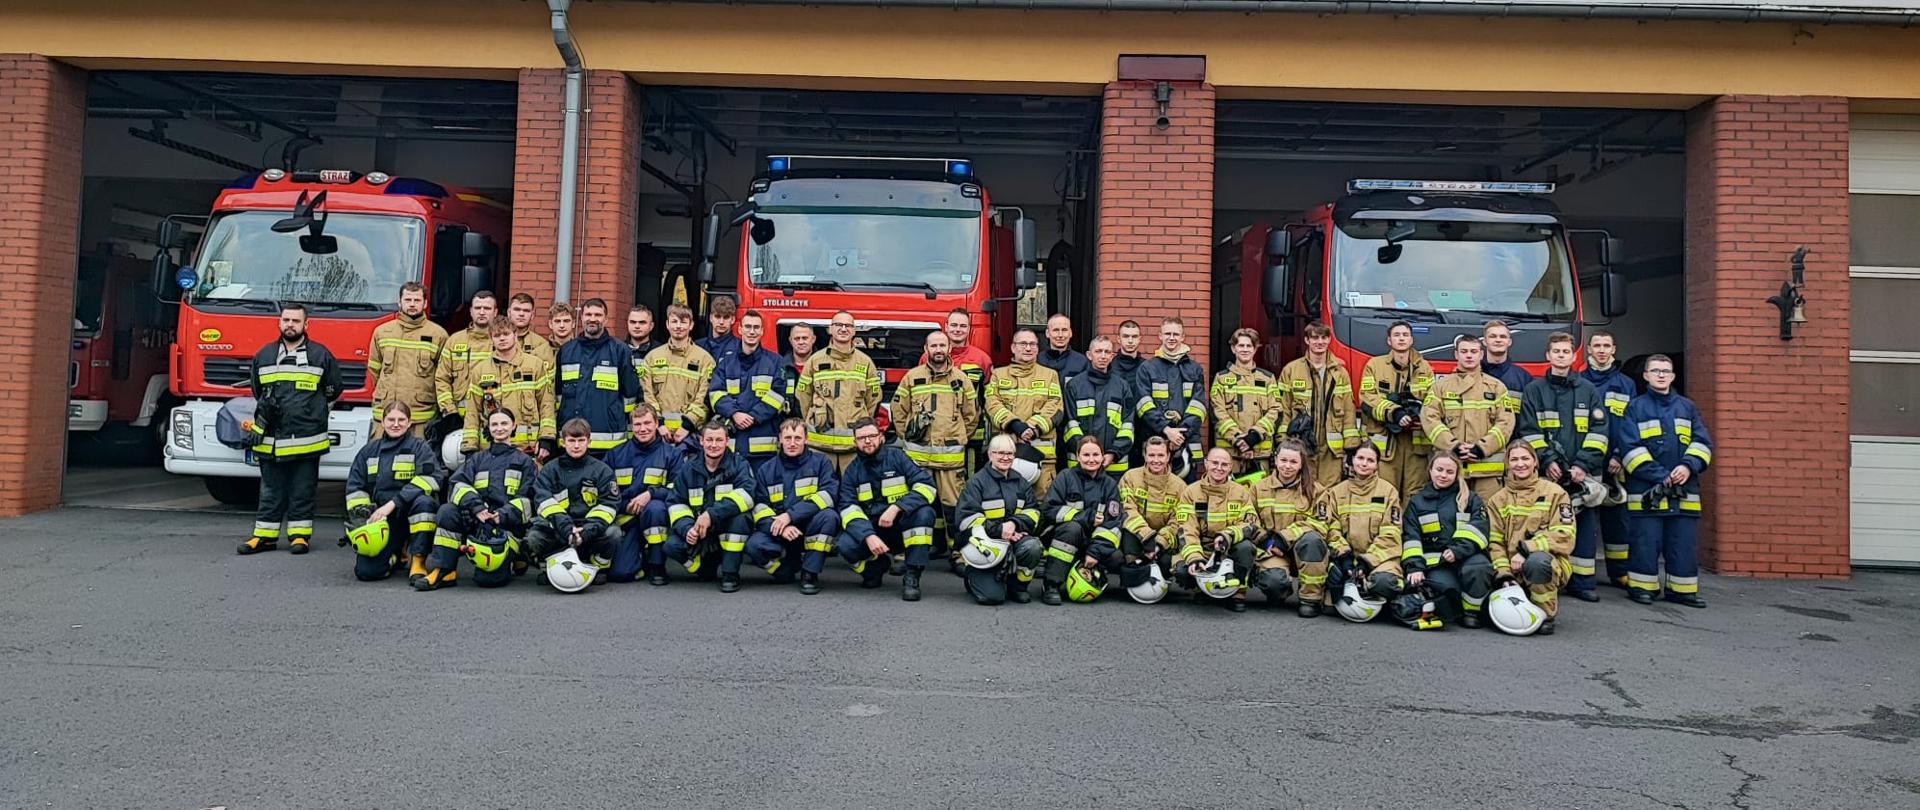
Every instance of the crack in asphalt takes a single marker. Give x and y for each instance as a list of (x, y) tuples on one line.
[(1884, 724), (1642, 794), (1685, 626), (1740, 796), (1613, 685)]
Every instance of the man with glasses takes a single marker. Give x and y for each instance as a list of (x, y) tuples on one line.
[(838, 386), (1023, 400), (886, 507), (1664, 447)]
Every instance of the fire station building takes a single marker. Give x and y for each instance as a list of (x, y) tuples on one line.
[(1714, 138)]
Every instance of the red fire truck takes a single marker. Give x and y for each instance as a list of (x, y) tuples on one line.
[(1444, 256), (117, 372), (899, 242), (342, 243)]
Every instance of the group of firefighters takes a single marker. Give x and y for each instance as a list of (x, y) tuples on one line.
[(1474, 497)]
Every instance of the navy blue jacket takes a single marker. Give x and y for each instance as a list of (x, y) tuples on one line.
[(594, 380), (756, 385), (1658, 433)]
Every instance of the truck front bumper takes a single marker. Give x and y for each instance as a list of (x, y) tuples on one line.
[(193, 449)]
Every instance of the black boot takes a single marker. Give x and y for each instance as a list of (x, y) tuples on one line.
[(1017, 591), (255, 545), (1546, 627), (1640, 597), (809, 583), (658, 576), (910, 585), (898, 567), (1691, 600), (729, 583), (1237, 604), (873, 574), (1471, 621), (1308, 609), (1050, 594)]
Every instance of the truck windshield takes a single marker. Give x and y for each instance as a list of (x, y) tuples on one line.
[(851, 247), (1482, 268), (243, 259)]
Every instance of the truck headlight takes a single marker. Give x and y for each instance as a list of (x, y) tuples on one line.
[(183, 430)]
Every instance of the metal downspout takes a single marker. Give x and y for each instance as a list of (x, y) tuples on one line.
[(569, 150)]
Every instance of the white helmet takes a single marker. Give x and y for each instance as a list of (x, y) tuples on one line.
[(1357, 607), (1588, 494), (1616, 493), (982, 551), (567, 573), (1516, 615), (450, 449), (1219, 582), (1151, 591)]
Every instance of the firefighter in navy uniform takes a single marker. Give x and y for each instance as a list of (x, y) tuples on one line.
[(488, 502), (1173, 402), (794, 518), (886, 507), (749, 393), (1083, 516), (394, 479), (998, 504), (712, 510), (1059, 354), (577, 499), (1500, 365), (937, 410), (1443, 544), (1665, 449), (1101, 403), (295, 382), (1247, 402), (1616, 389), (1565, 421), (642, 466), (595, 379)]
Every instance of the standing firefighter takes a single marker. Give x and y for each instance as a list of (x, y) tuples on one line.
[(1466, 415), (460, 352), (937, 410), (1023, 400), (295, 382), (1393, 387), (1246, 401), (1616, 389), (1319, 405), (1666, 448), (677, 377), (1530, 532), (513, 379), (596, 379), (1173, 401), (749, 392), (402, 357), (1563, 418), (1101, 403), (839, 386)]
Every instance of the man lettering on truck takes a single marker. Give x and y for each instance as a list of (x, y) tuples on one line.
[(295, 381), (402, 357), (462, 350)]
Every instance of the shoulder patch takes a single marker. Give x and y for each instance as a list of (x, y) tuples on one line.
[(1566, 513)]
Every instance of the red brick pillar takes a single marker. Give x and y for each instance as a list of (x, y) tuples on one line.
[(42, 110), (1765, 175), (606, 213), (1156, 207)]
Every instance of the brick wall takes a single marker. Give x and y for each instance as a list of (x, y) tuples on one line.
[(1156, 210), (42, 110), (1764, 175), (607, 210)]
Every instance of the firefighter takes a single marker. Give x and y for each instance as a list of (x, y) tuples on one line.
[(640, 340), (936, 410), (1443, 544), (1246, 403), (1150, 496), (459, 354), (1362, 515), (794, 517), (998, 504), (1665, 449), (1216, 519), (749, 393), (1127, 362), (1173, 404), (403, 356), (1101, 403), (800, 342), (393, 480), (577, 502), (1318, 405), (1023, 400), (560, 326), (1392, 388), (295, 382), (1291, 549), (520, 308), (488, 503), (1616, 389), (886, 507), (1466, 414), (596, 379), (1060, 354), (838, 387), (711, 510), (641, 466), (1565, 421), (720, 341), (677, 377), (976, 364), (1530, 532), (1082, 513), (513, 379), (1498, 364)]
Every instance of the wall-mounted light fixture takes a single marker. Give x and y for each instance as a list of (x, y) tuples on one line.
[(1162, 95), (1792, 305)]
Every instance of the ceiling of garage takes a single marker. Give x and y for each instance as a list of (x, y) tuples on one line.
[(271, 107), (879, 122)]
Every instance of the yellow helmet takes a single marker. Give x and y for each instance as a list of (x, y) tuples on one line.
[(490, 556), (1085, 584), (369, 540)]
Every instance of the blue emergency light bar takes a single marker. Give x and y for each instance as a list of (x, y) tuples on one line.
[(954, 167), (1475, 186)]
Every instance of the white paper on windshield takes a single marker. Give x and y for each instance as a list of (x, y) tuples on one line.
[(1355, 299), (1451, 299)]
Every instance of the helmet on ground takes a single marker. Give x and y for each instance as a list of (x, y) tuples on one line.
[(568, 573), (1616, 494), (982, 551), (490, 553), (369, 539), (1218, 581), (1355, 606), (450, 450), (1588, 494), (1510, 610), (1151, 585), (1085, 584)]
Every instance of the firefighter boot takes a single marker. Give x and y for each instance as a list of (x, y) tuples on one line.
[(729, 583), (910, 585), (255, 545), (809, 583), (417, 568)]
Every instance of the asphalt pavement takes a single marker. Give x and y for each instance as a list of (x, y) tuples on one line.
[(144, 665)]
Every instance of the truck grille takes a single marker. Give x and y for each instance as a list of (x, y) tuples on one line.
[(233, 372)]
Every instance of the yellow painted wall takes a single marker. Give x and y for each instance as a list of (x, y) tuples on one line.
[(1275, 55)]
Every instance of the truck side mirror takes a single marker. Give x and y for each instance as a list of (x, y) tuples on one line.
[(166, 233), (1273, 284), (473, 279), (1278, 245), (1025, 239), (1612, 251), (1024, 277), (1613, 292), (710, 243), (474, 247), (706, 272)]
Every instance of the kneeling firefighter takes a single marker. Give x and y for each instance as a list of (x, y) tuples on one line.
[(1443, 549), (996, 513), (1216, 527), (577, 495), (1363, 513), (487, 506), (1150, 494), (1292, 542), (1082, 508), (390, 492), (1530, 532)]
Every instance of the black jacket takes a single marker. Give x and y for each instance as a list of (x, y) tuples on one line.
[(991, 499), (574, 489), (404, 471), (1101, 404), (296, 390), (499, 478), (1433, 523)]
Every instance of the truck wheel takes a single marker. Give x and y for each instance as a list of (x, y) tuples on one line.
[(234, 491)]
